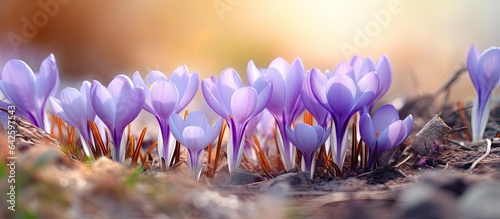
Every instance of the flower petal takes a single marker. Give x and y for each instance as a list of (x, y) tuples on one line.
[(367, 130), (177, 126), (281, 65), (306, 138), (310, 102), (194, 138), (155, 75), (341, 89), (252, 72), (472, 59), (317, 82), (294, 80), (128, 107), (391, 136), (19, 84), (210, 91), (276, 103), (103, 103), (489, 68), (243, 104), (47, 79), (368, 88), (384, 72), (229, 81), (197, 118), (120, 85), (164, 98), (385, 116), (187, 85)]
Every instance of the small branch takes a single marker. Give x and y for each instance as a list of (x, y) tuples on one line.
[(488, 149)]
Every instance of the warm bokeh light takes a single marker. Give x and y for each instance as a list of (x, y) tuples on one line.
[(95, 39)]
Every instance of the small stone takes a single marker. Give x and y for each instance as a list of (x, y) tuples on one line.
[(435, 129)]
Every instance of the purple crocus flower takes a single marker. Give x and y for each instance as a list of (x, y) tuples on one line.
[(117, 106), (74, 108), (320, 114), (308, 139), (30, 92), (384, 131), (342, 95), (484, 72), (285, 103), (195, 133), (362, 66), (165, 97), (237, 105)]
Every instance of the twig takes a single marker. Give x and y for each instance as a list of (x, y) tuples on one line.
[(404, 161), (488, 149)]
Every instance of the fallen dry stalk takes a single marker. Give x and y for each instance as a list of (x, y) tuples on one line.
[(488, 149)]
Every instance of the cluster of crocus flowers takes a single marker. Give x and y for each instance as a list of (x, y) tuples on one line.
[(484, 72), (237, 105), (117, 105), (165, 98), (266, 109), (285, 103)]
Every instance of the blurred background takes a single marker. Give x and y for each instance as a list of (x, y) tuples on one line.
[(426, 41)]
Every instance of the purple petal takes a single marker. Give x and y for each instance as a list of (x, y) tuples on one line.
[(367, 130), (139, 82), (58, 110), (368, 87), (366, 66), (85, 92), (390, 137), (74, 107), (310, 103), (472, 59), (293, 81), (344, 68), (341, 89), (243, 104), (128, 107), (209, 91), (103, 103), (317, 82), (164, 98), (385, 116), (281, 65), (177, 126), (229, 81), (356, 63), (47, 79), (408, 121), (277, 100), (194, 138), (187, 85), (155, 75), (489, 68), (120, 85), (384, 72), (252, 72), (306, 138), (196, 118), (214, 131), (19, 84), (263, 98)]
